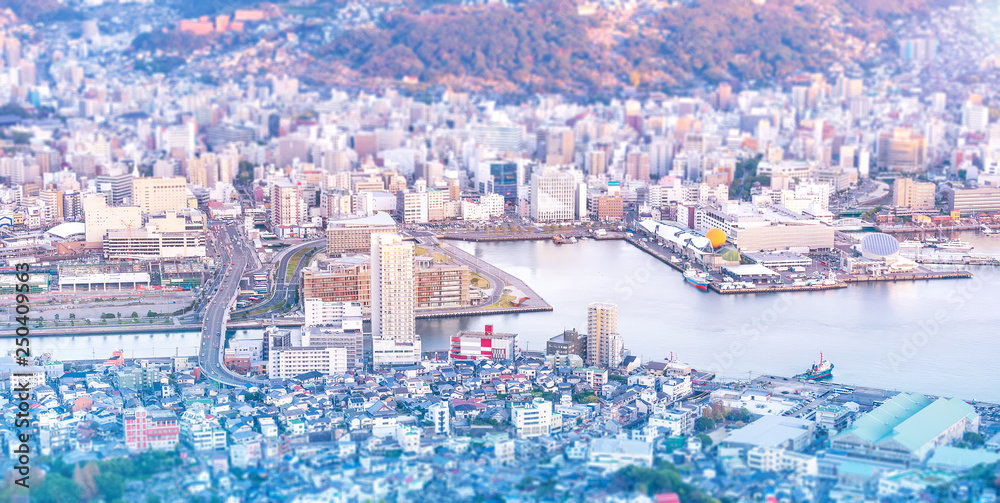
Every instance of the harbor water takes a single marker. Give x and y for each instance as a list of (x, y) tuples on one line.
[(936, 337)]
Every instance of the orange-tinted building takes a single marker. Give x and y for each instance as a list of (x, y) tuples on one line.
[(610, 208)]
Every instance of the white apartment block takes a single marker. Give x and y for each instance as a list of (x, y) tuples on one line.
[(532, 419), (345, 314), (290, 362)]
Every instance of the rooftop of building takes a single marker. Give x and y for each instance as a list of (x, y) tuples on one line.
[(380, 219), (769, 431), (910, 419)]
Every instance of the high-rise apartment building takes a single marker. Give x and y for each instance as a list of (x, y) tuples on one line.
[(394, 292), (604, 343), (287, 205), (72, 206), (637, 166)]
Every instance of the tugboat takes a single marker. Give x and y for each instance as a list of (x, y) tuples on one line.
[(821, 370)]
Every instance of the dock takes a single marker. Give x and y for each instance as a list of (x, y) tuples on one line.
[(777, 288), (913, 276), (842, 280), (480, 237), (953, 259)]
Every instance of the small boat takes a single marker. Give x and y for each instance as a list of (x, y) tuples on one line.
[(989, 231), (821, 370), (697, 279), (559, 240), (910, 243)]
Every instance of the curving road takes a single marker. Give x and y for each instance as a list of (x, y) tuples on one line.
[(484, 269), (285, 289), (233, 261)]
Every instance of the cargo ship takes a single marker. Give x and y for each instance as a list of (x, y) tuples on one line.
[(821, 370), (697, 279)]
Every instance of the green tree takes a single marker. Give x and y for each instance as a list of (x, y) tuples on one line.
[(704, 424), (21, 137), (53, 489), (706, 441), (111, 485), (135, 315), (973, 439)]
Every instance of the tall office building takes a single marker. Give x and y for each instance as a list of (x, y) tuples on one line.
[(917, 196), (902, 150), (394, 292), (119, 185), (604, 343), (157, 195), (975, 118), (500, 137), (552, 196), (500, 176), (555, 145)]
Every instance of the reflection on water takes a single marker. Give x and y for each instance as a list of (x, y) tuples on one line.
[(930, 336)]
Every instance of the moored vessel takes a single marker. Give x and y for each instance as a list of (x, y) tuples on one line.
[(821, 370), (697, 279)]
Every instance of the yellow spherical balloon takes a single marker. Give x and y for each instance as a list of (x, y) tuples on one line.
[(716, 236)]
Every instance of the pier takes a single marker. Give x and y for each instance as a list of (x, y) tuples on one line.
[(479, 237), (910, 276), (776, 288), (842, 279)]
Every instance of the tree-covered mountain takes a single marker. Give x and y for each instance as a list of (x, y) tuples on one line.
[(547, 45)]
